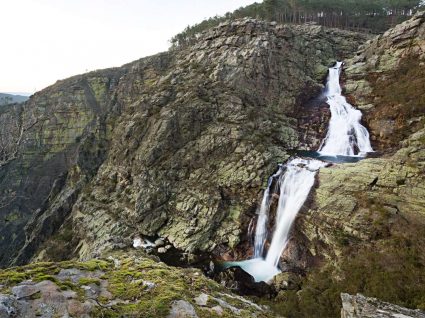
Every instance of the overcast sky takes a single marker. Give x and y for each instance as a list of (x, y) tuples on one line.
[(47, 40)]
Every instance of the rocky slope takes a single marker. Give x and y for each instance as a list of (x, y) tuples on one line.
[(119, 286), (177, 145)]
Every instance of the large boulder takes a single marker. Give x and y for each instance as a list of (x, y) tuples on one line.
[(359, 306)]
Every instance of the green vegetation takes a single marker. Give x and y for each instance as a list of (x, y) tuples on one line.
[(391, 269), (135, 286), (360, 15)]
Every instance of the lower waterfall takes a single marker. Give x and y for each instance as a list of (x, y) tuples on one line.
[(345, 137)]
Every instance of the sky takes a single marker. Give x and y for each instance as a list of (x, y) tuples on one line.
[(47, 40)]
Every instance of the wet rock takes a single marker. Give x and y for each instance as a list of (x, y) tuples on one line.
[(237, 279), (162, 250), (159, 243)]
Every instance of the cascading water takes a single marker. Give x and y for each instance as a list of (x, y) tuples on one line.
[(345, 137), (295, 186), (263, 216)]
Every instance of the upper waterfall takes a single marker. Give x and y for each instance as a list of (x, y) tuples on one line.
[(345, 136)]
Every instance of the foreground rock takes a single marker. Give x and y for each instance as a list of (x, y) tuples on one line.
[(120, 286), (359, 306)]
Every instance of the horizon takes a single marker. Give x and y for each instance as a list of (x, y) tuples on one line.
[(54, 40)]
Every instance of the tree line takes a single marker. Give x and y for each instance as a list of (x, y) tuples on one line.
[(372, 16)]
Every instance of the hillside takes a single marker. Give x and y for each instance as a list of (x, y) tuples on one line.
[(106, 174), (9, 99)]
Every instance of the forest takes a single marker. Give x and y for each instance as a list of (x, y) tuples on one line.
[(370, 16)]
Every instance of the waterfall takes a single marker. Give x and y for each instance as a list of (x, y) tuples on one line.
[(345, 137), (295, 186), (263, 216)]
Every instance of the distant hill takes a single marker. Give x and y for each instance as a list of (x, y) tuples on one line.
[(10, 98)]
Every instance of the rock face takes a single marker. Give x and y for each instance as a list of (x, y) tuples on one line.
[(127, 285), (386, 82), (359, 306), (177, 145), (49, 148)]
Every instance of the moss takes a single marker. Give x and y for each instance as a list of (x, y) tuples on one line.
[(88, 281), (391, 269), (11, 278), (91, 265), (67, 284), (43, 277), (127, 286)]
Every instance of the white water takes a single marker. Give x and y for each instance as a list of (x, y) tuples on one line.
[(295, 186), (345, 137), (263, 216), (259, 268)]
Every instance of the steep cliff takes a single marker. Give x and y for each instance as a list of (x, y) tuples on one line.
[(50, 147), (177, 145)]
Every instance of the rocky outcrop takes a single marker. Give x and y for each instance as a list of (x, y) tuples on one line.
[(359, 306), (190, 156), (176, 145), (128, 285)]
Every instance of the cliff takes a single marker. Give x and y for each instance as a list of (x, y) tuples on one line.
[(177, 145)]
